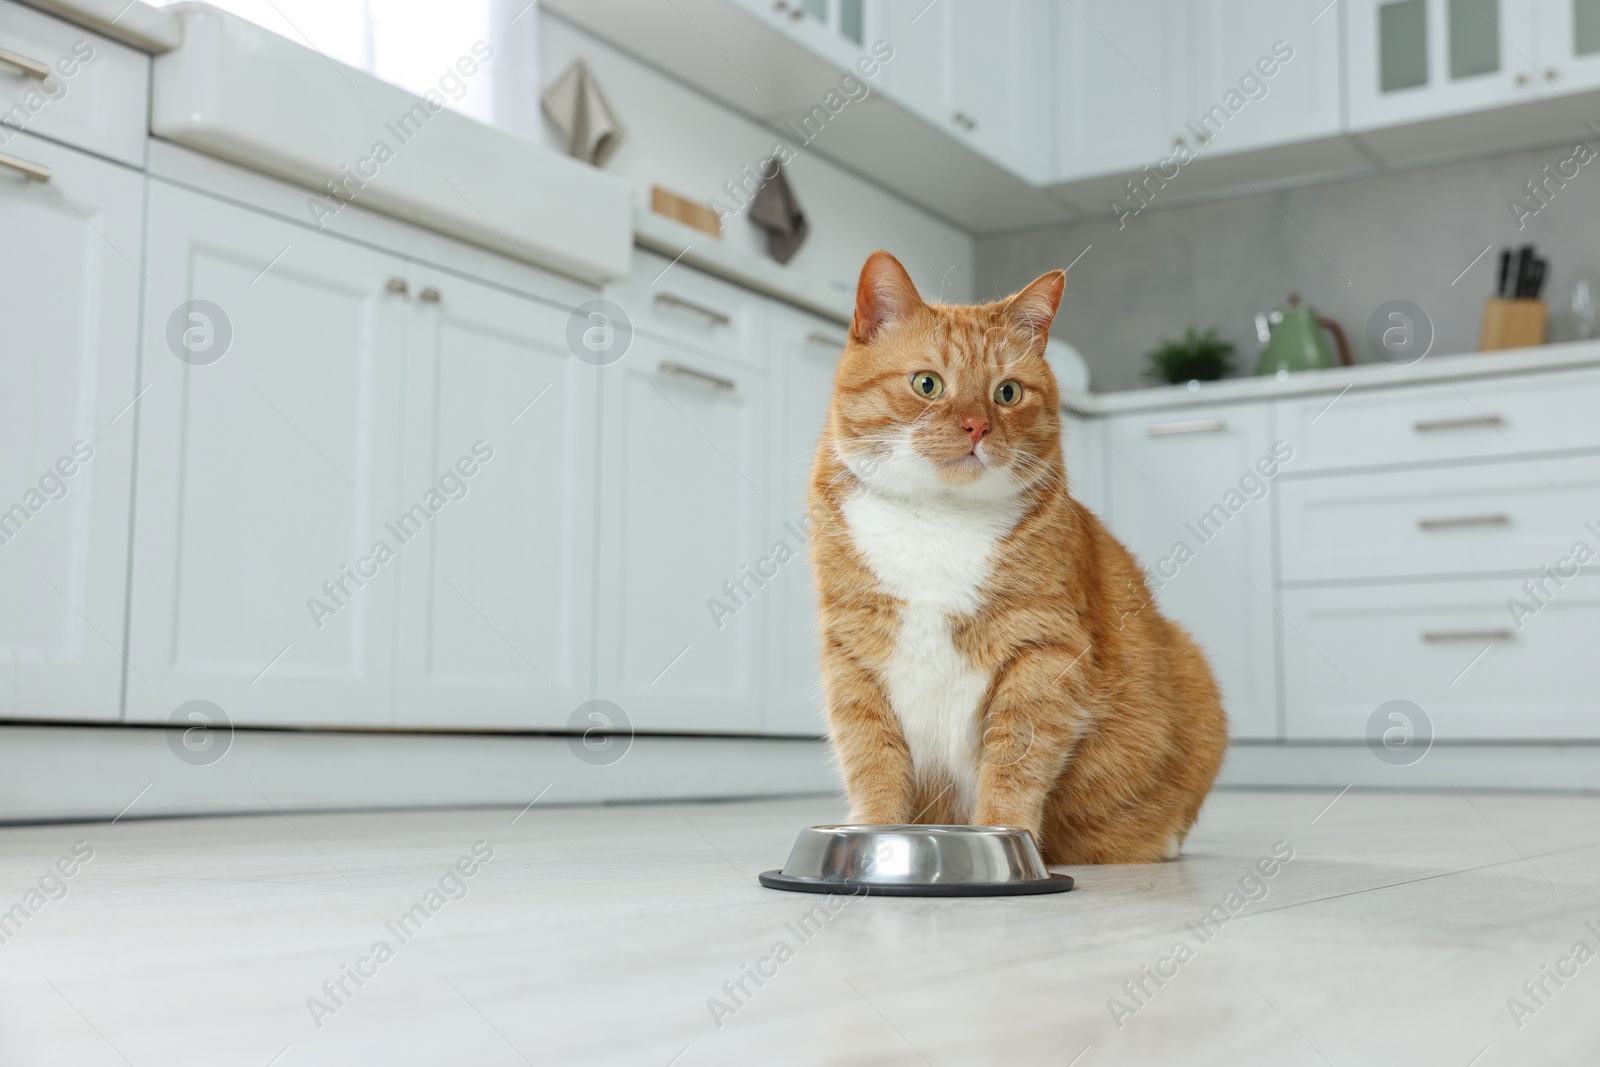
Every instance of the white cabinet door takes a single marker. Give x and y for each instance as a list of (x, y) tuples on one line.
[(1239, 49), (69, 294), (683, 473), (916, 76), (1569, 45), (997, 78), (497, 591), (1121, 83), (1185, 500), (1451, 649), (266, 476), (979, 71), (1084, 445), (1410, 60), (805, 353)]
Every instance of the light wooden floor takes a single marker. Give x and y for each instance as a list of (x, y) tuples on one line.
[(1396, 936)]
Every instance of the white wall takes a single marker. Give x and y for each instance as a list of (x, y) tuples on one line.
[(677, 138)]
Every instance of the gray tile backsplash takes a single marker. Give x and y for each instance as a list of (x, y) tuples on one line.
[(1345, 246)]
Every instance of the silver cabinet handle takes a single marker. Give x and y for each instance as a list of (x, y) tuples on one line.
[(397, 286), (1435, 425), (429, 295), (678, 370), (1459, 521), (37, 172), (817, 337), (31, 67), (1164, 429), (1434, 637), (717, 318)]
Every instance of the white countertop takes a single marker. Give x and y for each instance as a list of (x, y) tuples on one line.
[(1338, 379)]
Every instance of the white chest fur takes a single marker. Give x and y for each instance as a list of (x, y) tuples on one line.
[(934, 556)]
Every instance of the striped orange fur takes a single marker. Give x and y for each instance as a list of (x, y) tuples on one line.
[(991, 654)]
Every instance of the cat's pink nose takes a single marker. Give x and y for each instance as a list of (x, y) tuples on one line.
[(976, 428)]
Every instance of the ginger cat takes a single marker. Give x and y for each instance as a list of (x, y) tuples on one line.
[(991, 654)]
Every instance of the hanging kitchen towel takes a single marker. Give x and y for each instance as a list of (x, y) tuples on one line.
[(776, 211), (582, 113)]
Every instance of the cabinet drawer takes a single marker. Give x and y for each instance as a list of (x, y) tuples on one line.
[(678, 303), (1466, 420), (70, 85), (1455, 649), (1485, 517)]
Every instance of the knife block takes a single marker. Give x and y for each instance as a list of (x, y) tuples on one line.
[(1512, 324)]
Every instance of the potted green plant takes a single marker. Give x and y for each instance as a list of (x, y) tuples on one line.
[(1194, 357)]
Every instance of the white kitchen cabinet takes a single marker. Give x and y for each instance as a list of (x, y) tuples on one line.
[(1237, 50), (1569, 44), (1180, 499), (1453, 649), (979, 72), (497, 592), (805, 354), (1410, 60), (683, 522), (266, 476), (1084, 444), (68, 352), (1121, 84), (79, 88)]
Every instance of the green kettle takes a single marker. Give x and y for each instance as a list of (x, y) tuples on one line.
[(1291, 339)]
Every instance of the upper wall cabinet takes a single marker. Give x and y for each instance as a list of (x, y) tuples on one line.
[(1120, 85), (1569, 44), (1418, 59), (1271, 66), (980, 72), (1139, 80)]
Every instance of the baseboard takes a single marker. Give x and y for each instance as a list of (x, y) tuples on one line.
[(52, 773), (1524, 766)]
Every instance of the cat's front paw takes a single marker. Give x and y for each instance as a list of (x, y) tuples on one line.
[(875, 817)]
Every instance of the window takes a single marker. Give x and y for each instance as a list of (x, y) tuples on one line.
[(414, 44)]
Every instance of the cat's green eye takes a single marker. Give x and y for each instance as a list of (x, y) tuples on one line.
[(927, 384), (1008, 392)]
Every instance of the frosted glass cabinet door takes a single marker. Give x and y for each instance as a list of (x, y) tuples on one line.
[(1410, 60), (805, 352), (1171, 476), (266, 475), (497, 591), (69, 295), (1569, 45), (684, 472)]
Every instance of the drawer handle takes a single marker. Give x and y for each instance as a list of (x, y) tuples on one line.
[(817, 337), (717, 318), (1164, 429), (1464, 520), (36, 172), (1472, 423), (31, 67), (678, 370), (1435, 637)]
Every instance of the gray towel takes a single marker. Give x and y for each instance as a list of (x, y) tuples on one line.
[(777, 211), (574, 102)]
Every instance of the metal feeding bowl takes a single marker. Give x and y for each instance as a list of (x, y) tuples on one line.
[(916, 861)]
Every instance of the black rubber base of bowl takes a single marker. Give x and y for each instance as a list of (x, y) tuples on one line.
[(1057, 883)]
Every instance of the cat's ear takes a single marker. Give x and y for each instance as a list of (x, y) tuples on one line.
[(1034, 308), (884, 295)]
